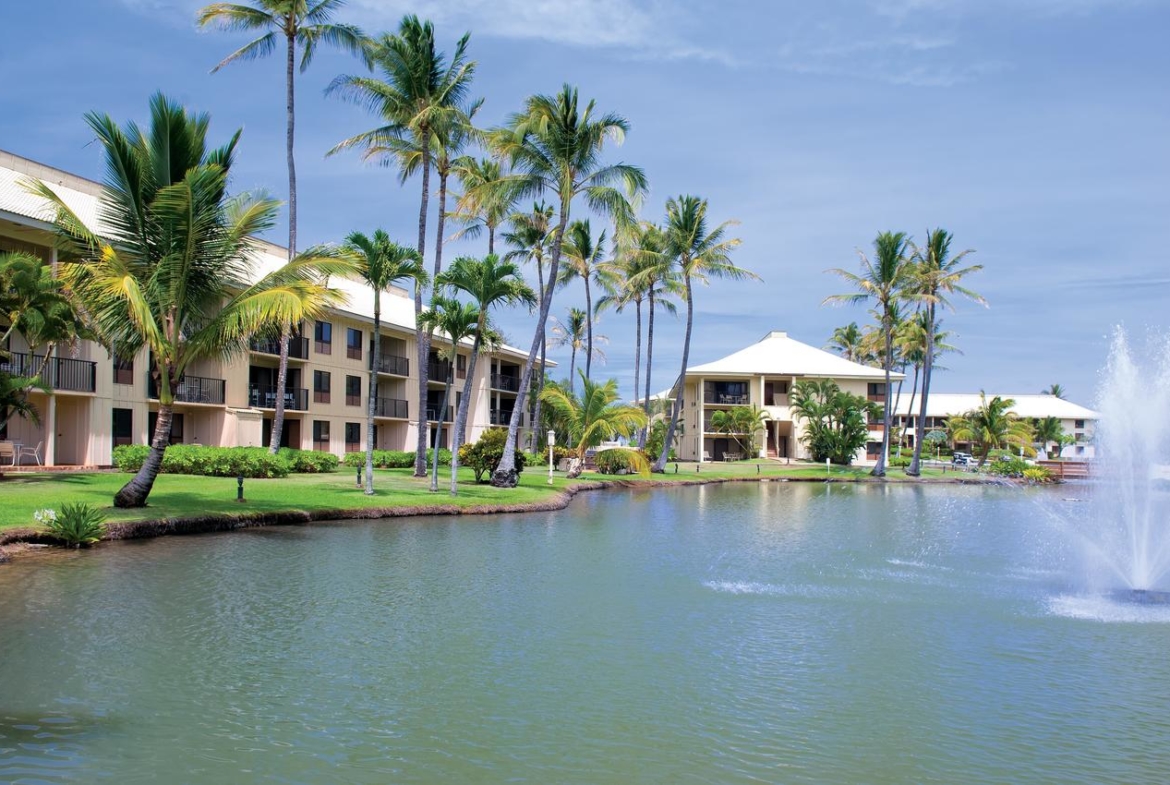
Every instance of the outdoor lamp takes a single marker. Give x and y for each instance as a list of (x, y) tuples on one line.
[(552, 439)]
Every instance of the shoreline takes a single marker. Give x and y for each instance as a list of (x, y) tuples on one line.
[(21, 541)]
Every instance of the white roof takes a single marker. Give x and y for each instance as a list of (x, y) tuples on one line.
[(81, 196), (778, 355), (1027, 406)]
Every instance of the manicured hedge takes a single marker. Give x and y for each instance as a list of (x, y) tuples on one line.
[(395, 459), (255, 462)]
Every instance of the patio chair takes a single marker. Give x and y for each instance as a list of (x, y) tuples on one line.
[(34, 452), (706, 456), (7, 450)]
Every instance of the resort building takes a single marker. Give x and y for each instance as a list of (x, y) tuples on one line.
[(99, 401), (762, 375), (1076, 421)]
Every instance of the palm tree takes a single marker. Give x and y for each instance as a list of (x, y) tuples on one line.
[(554, 146), (936, 275), (992, 426), (1045, 431), (487, 200), (165, 275), (883, 282), (700, 255), (584, 256), (458, 322), (305, 25), (663, 285), (739, 422), (490, 283), (912, 350), (381, 263), (421, 93), (596, 416), (1055, 390), (847, 342), (573, 332)]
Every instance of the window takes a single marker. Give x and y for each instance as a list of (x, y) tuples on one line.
[(353, 391), (1078, 423), (353, 437), (320, 386), (323, 338), (123, 427), (321, 435), (353, 344), (461, 366), (873, 450), (123, 370), (176, 427), (877, 389)]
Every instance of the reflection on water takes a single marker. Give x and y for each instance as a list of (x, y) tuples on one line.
[(782, 632)]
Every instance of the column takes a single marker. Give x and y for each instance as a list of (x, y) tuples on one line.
[(51, 432)]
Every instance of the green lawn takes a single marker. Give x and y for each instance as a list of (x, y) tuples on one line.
[(176, 495)]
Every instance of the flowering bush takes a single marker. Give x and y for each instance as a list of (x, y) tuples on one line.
[(77, 525)]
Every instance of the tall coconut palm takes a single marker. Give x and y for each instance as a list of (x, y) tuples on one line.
[(170, 271), (381, 263), (573, 332), (487, 198), (529, 239), (699, 255), (304, 25), (458, 322), (614, 277), (420, 92), (555, 146), (992, 426), (883, 281), (663, 287), (847, 342), (491, 283), (937, 276), (1045, 431), (1056, 390), (912, 349), (596, 416), (584, 256)]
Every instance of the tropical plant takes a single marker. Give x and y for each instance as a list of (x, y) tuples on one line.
[(77, 524), (911, 340), (700, 255), (741, 423), (381, 263), (1055, 390), (556, 147), (835, 422), (458, 322), (1046, 430), (937, 275), (883, 282), (170, 272), (573, 332), (596, 416), (483, 456), (992, 426), (584, 256), (491, 283), (14, 400), (420, 93), (487, 199), (304, 25), (847, 342)]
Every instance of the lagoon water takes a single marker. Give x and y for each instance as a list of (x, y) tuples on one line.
[(789, 633)]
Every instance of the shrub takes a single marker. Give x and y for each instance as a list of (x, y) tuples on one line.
[(620, 461), (483, 456), (561, 453), (77, 525), (394, 459), (309, 461), (898, 463), (253, 462), (130, 457), (1008, 467), (1038, 475)]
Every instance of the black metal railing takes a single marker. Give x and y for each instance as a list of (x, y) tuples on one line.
[(391, 407), (59, 373), (722, 396), (437, 370), (392, 363), (193, 389), (502, 417), (298, 346), (264, 397), (503, 382), (432, 414)]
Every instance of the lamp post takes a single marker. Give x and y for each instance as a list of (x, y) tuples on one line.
[(552, 438)]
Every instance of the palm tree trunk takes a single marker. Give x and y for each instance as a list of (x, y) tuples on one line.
[(879, 469), (491, 241), (372, 407), (538, 429), (913, 391), (649, 361), (573, 369), (465, 406), (676, 407), (421, 336), (898, 403), (927, 366), (439, 429), (588, 327), (281, 381), (505, 475), (134, 493), (638, 356)]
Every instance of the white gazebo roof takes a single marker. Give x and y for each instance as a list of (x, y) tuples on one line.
[(778, 355)]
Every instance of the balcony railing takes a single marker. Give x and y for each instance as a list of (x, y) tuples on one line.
[(391, 407), (718, 396), (264, 397), (504, 382), (392, 363), (298, 347), (193, 389), (59, 373), (502, 417), (432, 414), (437, 370)]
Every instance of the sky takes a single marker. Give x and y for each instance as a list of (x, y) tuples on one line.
[(1036, 131)]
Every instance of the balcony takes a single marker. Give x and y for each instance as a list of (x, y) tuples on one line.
[(392, 364), (728, 398), (264, 397), (502, 417), (193, 389), (504, 382), (59, 373), (298, 347), (391, 407), (432, 414), (437, 370)]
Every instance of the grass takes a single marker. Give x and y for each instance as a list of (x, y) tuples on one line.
[(177, 495)]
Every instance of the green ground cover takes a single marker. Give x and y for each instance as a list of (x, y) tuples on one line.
[(178, 495)]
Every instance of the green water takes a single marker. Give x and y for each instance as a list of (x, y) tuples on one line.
[(784, 633)]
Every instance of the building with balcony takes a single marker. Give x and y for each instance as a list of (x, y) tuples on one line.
[(98, 401), (762, 375)]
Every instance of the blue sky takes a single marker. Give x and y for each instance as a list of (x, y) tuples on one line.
[(1035, 130)]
